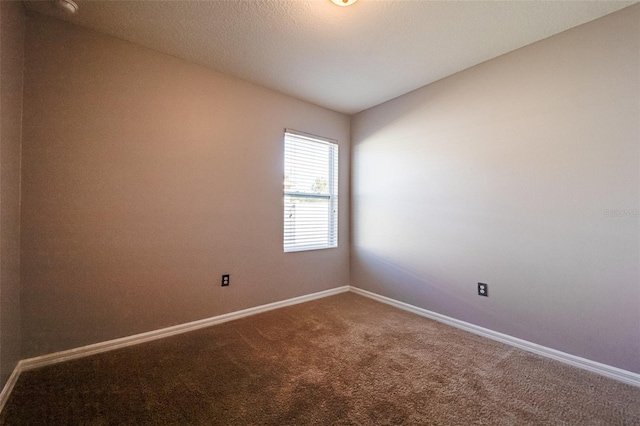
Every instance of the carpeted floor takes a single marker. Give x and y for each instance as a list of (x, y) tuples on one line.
[(342, 360)]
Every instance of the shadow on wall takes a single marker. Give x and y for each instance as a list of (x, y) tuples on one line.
[(388, 278)]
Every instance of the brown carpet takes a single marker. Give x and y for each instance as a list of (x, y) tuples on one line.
[(342, 360)]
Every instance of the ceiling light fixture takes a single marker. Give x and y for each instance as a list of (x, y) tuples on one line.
[(344, 2), (69, 6)]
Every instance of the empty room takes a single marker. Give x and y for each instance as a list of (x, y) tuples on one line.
[(293, 212)]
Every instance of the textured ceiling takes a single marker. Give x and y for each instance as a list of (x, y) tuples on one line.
[(344, 58)]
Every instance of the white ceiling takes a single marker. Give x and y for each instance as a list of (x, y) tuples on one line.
[(344, 58)]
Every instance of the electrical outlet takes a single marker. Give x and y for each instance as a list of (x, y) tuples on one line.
[(483, 289), (225, 280)]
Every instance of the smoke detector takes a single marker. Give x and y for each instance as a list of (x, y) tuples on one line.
[(70, 7)]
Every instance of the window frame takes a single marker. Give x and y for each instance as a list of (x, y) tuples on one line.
[(332, 196)]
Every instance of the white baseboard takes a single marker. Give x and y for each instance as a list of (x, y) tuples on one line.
[(56, 357), (11, 382), (576, 361)]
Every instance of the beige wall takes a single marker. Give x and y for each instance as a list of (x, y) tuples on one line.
[(11, 71), (144, 179), (504, 174)]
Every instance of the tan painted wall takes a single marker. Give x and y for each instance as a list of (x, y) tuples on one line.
[(11, 76), (144, 179), (509, 173)]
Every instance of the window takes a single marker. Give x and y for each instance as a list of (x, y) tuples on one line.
[(310, 192)]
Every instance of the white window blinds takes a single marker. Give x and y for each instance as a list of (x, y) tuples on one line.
[(310, 192)]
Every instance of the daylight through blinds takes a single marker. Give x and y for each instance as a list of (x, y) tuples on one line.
[(310, 193)]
